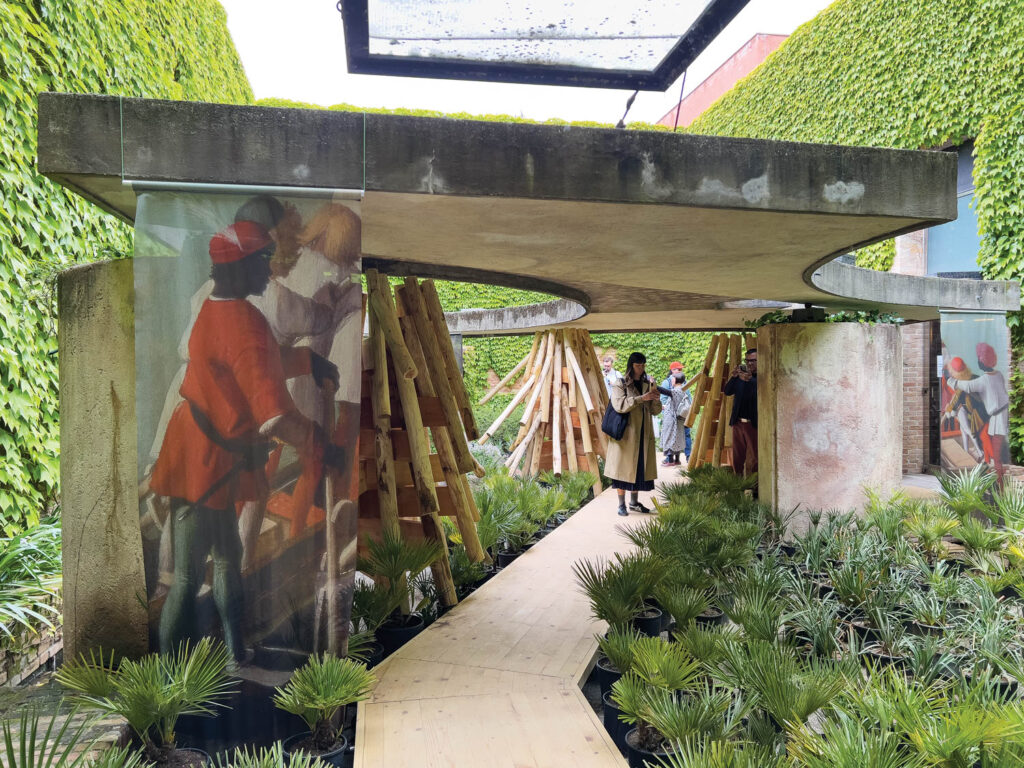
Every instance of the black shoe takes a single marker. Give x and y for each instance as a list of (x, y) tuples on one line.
[(636, 506), (623, 512)]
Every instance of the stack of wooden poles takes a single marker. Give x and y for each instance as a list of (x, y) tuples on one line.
[(413, 396), (713, 441), (561, 383)]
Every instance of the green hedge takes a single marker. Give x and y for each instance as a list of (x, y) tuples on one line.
[(149, 48), (911, 74)]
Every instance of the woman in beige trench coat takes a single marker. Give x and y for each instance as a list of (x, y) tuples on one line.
[(631, 463)]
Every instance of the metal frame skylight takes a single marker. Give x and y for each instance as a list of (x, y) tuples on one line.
[(521, 59)]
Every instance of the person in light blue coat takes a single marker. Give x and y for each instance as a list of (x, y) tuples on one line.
[(675, 435)]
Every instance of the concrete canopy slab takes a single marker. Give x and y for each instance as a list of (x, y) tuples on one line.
[(641, 230)]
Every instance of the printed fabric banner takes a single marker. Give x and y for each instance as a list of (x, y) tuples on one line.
[(975, 402), (248, 336)]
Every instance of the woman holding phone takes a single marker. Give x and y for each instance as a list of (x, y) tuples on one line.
[(631, 462)]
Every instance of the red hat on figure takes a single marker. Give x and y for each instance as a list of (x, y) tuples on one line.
[(959, 369), (241, 239), (675, 366), (986, 355)]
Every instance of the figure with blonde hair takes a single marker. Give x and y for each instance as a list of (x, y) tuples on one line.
[(328, 271)]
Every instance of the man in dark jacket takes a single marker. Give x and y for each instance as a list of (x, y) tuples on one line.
[(742, 385)]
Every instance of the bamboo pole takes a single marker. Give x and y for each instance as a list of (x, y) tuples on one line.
[(556, 409), (532, 356), (736, 356), (595, 367), (583, 351), (570, 378), (508, 377), (379, 288), (576, 374), (458, 385), (432, 345), (535, 372), (520, 396), (525, 445), (423, 473), (545, 386), (539, 386), (698, 394), (465, 510), (570, 438), (698, 449), (380, 399), (542, 435)]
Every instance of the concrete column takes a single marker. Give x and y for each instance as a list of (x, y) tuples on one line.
[(830, 415), (457, 346), (104, 582)]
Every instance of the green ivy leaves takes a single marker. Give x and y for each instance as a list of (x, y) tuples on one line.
[(914, 74), (130, 47)]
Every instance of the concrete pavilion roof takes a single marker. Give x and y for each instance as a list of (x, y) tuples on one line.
[(634, 230)]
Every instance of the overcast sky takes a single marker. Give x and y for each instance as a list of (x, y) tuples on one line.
[(295, 49)]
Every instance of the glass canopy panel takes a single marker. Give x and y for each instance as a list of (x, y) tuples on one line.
[(629, 35)]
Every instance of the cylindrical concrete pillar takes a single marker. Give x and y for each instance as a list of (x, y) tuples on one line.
[(830, 414)]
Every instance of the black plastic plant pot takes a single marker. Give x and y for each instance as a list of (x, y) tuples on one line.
[(920, 628), (666, 617), (189, 756), (605, 674), (711, 617), (294, 745), (505, 559), (649, 622), (864, 633), (787, 549), (375, 655), (879, 656), (392, 635), (637, 756), (615, 727)]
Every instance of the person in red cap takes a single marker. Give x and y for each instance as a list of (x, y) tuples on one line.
[(964, 409), (675, 407), (991, 389), (235, 403)]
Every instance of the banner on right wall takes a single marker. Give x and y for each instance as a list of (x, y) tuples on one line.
[(975, 401)]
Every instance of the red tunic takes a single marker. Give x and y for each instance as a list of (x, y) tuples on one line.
[(235, 376)]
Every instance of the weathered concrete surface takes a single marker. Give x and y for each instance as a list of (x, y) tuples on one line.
[(830, 416), (525, 318), (907, 294), (646, 230), (104, 582)]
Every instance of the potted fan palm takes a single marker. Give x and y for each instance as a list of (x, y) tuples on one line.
[(317, 692), (659, 675), (153, 692), (616, 655), (270, 757), (785, 689), (394, 563)]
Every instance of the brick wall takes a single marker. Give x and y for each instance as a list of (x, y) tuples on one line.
[(916, 341), (29, 652), (912, 259)]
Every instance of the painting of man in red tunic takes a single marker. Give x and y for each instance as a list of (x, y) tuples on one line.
[(235, 410)]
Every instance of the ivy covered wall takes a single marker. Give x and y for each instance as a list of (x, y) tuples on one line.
[(148, 48), (914, 74)]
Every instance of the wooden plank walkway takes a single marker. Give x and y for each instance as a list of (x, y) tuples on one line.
[(496, 681)]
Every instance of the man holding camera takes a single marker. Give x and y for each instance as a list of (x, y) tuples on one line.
[(742, 386)]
